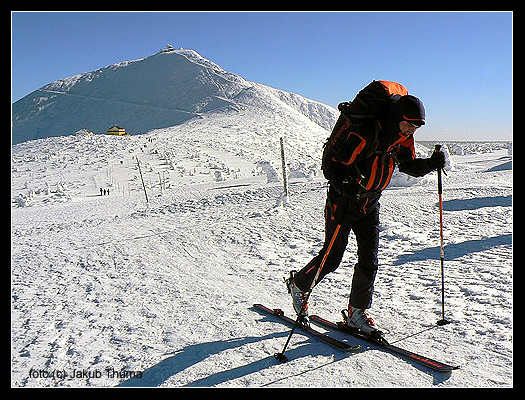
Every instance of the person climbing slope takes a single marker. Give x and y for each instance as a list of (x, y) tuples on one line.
[(373, 134)]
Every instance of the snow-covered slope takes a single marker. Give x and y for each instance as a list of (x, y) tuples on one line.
[(158, 91), (105, 287), (115, 290)]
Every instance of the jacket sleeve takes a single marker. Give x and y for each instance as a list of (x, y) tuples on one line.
[(411, 165)]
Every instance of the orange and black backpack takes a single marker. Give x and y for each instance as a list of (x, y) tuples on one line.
[(370, 104)]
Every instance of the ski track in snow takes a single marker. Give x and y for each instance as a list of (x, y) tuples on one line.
[(108, 285)]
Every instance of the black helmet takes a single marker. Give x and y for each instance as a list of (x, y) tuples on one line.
[(409, 108)]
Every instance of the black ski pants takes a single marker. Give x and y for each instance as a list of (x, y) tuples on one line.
[(343, 213)]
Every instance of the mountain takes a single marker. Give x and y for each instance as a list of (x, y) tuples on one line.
[(162, 90), (152, 282)]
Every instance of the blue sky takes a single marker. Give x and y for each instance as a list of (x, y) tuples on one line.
[(458, 63)]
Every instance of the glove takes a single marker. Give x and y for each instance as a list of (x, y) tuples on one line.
[(436, 160)]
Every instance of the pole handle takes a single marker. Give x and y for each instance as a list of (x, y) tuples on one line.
[(437, 148)]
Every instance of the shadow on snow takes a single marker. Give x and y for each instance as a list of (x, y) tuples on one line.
[(475, 203), (456, 250), (193, 354)]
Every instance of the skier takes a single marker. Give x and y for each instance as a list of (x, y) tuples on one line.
[(356, 178)]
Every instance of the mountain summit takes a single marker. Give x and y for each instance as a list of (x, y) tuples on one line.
[(162, 90)]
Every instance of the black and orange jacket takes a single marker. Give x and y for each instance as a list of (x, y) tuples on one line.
[(369, 154)]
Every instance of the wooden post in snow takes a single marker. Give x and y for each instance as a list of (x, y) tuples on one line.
[(283, 164), (142, 179)]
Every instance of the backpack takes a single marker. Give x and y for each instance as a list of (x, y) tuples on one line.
[(370, 104)]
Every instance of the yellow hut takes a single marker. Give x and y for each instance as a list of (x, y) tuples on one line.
[(117, 130)]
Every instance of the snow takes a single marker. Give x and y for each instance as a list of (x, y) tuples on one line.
[(111, 290), (110, 285)]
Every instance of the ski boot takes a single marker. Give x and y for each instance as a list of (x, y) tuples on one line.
[(357, 320), (299, 299)]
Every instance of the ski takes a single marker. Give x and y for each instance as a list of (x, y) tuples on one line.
[(322, 336), (426, 361)]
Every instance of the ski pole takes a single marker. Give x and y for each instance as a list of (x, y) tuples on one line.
[(281, 356), (442, 321)]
